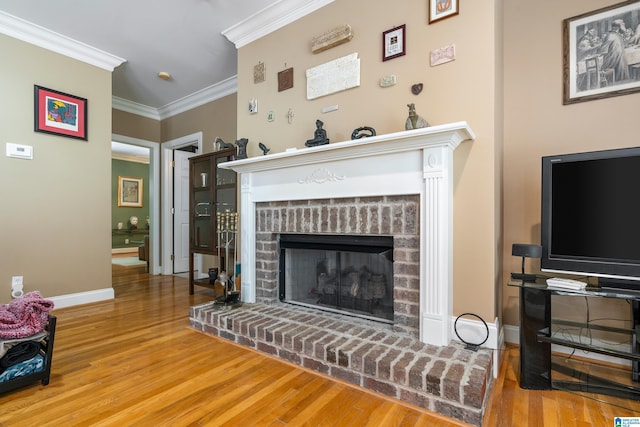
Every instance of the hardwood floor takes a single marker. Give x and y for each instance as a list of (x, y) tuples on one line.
[(136, 361)]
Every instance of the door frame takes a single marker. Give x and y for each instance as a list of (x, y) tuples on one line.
[(167, 194), (154, 195)]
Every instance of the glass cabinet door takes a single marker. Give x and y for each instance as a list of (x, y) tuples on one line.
[(225, 196), (213, 196), (202, 205)]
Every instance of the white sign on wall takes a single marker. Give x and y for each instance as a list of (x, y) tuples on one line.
[(333, 76)]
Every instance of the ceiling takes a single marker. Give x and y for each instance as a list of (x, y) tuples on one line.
[(183, 38)]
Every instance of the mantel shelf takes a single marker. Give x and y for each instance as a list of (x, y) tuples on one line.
[(451, 134)]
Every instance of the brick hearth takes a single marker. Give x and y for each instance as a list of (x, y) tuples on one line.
[(449, 380)]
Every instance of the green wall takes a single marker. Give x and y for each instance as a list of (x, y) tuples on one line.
[(128, 238)]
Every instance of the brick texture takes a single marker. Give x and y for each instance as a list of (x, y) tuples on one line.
[(396, 216), (450, 380)]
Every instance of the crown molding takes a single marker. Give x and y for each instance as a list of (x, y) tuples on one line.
[(26, 31), (270, 19), (189, 102), (201, 97), (135, 108)]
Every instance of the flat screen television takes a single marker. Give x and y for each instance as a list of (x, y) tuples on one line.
[(591, 216)]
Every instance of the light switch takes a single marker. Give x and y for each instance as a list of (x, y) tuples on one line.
[(19, 151)]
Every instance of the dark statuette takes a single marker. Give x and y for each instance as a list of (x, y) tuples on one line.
[(221, 144), (319, 136), (363, 132), (264, 148), (242, 148)]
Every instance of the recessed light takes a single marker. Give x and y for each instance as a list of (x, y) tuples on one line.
[(164, 75)]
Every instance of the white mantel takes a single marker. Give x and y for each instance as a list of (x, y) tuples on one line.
[(418, 161)]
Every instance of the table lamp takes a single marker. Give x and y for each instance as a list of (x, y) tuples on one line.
[(525, 251)]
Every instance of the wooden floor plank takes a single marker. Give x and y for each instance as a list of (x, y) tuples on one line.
[(136, 361)]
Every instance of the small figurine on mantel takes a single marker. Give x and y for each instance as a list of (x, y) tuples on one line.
[(264, 148), (319, 136), (242, 148), (219, 144), (414, 121)]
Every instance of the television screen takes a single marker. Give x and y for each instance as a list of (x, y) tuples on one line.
[(591, 214)]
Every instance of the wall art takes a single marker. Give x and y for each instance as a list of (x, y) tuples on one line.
[(331, 38), (59, 113), (333, 76), (129, 192), (601, 53), (440, 9), (285, 79), (259, 71), (394, 42)]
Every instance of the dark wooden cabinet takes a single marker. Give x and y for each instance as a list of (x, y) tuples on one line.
[(212, 199)]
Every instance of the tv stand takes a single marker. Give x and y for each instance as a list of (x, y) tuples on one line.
[(536, 337), (619, 285)]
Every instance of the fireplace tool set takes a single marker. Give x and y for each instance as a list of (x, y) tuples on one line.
[(227, 233)]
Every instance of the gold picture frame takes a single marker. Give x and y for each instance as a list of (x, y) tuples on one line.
[(129, 192)]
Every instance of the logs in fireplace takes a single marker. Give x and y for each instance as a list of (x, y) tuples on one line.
[(351, 274)]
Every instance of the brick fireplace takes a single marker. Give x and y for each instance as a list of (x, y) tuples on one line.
[(396, 216), (417, 162), (396, 185)]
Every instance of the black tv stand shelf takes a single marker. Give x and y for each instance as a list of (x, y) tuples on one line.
[(536, 338)]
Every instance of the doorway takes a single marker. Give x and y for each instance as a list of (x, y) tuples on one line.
[(175, 247), (136, 148)]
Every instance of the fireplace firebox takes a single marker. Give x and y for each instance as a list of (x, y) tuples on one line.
[(350, 274)]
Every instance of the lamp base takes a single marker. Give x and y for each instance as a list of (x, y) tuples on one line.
[(525, 277)]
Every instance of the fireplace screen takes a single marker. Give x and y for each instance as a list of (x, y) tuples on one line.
[(349, 274)]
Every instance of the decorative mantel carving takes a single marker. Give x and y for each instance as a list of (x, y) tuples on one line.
[(320, 176), (418, 161)]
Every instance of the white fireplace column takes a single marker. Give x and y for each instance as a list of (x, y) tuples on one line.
[(421, 160), (436, 238)]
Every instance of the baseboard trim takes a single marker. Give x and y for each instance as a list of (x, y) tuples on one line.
[(79, 298), (474, 331)]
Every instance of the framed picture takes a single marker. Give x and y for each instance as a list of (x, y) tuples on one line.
[(440, 9), (601, 53), (393, 43), (59, 113), (129, 192)]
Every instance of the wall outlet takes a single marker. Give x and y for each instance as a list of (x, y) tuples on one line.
[(16, 281)]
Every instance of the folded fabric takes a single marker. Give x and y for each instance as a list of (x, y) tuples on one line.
[(20, 352), (31, 366), (24, 316), (6, 344)]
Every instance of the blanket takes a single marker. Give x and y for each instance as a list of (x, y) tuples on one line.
[(24, 316)]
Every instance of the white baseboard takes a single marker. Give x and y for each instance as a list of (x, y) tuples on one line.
[(474, 331), (69, 300)]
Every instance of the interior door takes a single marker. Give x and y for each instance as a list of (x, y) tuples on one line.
[(181, 211)]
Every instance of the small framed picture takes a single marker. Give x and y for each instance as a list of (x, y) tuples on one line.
[(440, 9), (129, 192), (59, 113), (601, 53), (393, 42)]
